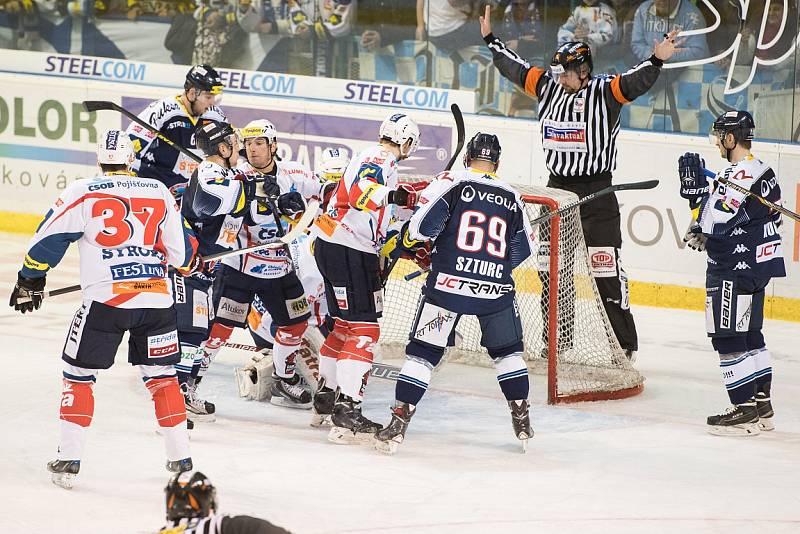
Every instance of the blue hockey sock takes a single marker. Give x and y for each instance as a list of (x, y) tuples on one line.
[(739, 373), (763, 360), (512, 374), (413, 380)]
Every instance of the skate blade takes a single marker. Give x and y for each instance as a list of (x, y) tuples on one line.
[(201, 418), (345, 436), (277, 400), (746, 429), (765, 424), (63, 480), (524, 445), (386, 447), (320, 420)]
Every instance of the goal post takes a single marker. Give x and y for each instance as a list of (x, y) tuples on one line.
[(567, 334)]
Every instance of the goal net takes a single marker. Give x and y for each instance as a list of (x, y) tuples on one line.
[(567, 334)]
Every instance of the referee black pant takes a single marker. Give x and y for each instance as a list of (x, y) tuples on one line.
[(600, 220)]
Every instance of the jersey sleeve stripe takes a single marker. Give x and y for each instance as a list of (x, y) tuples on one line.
[(616, 90), (532, 80)]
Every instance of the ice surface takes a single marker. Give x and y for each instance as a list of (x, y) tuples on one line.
[(644, 464)]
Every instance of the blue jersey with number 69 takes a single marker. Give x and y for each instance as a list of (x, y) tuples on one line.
[(480, 233)]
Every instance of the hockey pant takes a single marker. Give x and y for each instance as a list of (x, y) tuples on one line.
[(600, 220), (734, 319), (434, 329), (77, 409)]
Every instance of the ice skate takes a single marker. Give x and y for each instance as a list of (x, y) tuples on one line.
[(765, 412), (289, 393), (323, 405), (179, 466), (521, 421), (63, 472), (388, 439), (197, 409), (349, 425), (739, 420)]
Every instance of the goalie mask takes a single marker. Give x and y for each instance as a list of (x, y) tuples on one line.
[(115, 148), (400, 129)]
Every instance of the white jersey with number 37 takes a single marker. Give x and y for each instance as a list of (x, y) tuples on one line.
[(128, 231)]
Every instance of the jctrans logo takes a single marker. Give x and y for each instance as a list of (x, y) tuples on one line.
[(469, 287)]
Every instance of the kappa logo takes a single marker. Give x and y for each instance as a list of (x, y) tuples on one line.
[(737, 231), (741, 266), (740, 248)]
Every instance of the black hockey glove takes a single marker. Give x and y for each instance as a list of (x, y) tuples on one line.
[(29, 289), (291, 204), (268, 186), (693, 179), (694, 238), (405, 196)]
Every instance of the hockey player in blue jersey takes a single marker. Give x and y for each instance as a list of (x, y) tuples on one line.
[(176, 118), (479, 233), (741, 237), (214, 204)]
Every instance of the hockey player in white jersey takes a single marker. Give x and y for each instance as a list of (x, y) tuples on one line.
[(176, 118), (267, 273), (128, 231), (740, 235), (349, 237), (479, 234), (214, 203)]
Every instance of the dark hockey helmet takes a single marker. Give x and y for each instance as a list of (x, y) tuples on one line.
[(570, 56), (483, 146), (738, 123), (210, 134), (190, 494), (204, 78)]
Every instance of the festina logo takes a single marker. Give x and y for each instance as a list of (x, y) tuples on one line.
[(738, 231), (740, 248), (741, 266)]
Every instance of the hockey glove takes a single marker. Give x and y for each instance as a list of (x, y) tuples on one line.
[(404, 196), (291, 204), (267, 186), (328, 190), (693, 179), (400, 245), (422, 257), (694, 238), (195, 265), (29, 289)]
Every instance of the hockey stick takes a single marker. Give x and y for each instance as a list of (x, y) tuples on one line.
[(379, 370), (104, 105), (633, 186), (304, 222), (460, 138), (736, 187)]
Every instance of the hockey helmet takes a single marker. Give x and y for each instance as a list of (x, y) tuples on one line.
[(188, 495), (204, 78), (570, 56), (332, 165), (483, 146), (115, 148), (738, 123), (210, 134), (259, 128), (399, 128)]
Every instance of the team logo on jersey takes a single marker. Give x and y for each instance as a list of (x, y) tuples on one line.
[(580, 105), (126, 271), (468, 193), (469, 287), (768, 251), (162, 345)]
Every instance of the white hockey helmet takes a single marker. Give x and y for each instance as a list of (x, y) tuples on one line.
[(332, 165), (399, 128), (259, 128), (115, 148)]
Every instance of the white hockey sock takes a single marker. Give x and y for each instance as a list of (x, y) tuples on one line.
[(284, 365), (763, 361), (188, 355), (176, 441), (72, 442), (327, 369), (739, 375), (351, 376)]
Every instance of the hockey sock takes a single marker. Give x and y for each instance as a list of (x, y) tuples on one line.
[(185, 365), (739, 374), (512, 375), (763, 360), (76, 412), (412, 383), (329, 352), (355, 359), (170, 409), (287, 341), (218, 335)]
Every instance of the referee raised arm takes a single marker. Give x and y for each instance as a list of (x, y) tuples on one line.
[(579, 116)]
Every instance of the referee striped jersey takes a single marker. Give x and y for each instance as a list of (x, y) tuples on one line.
[(579, 130), (222, 524)]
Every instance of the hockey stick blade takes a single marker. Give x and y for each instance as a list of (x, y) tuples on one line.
[(99, 105), (736, 187)]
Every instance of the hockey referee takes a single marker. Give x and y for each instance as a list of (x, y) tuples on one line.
[(579, 116)]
